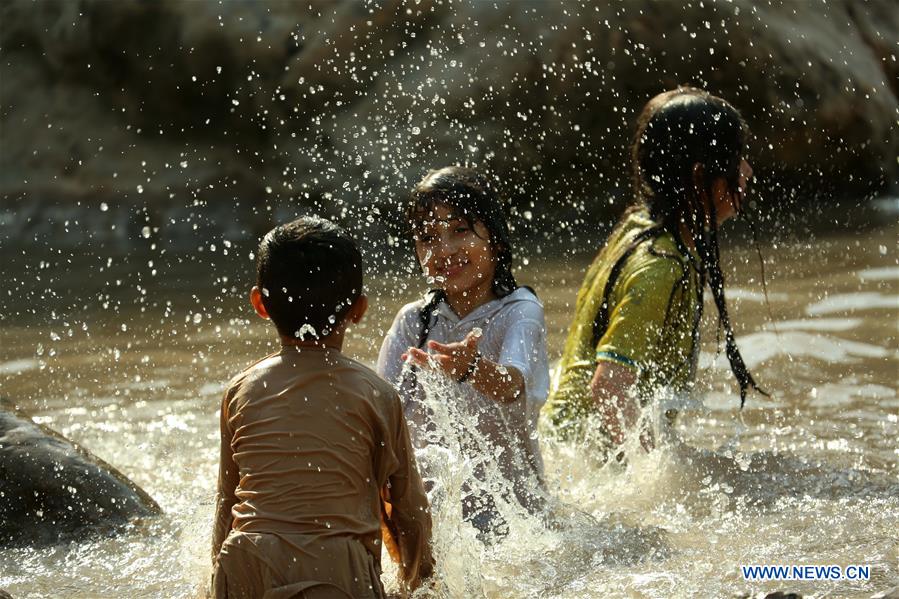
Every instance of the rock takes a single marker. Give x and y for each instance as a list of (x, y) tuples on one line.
[(174, 114), (54, 490)]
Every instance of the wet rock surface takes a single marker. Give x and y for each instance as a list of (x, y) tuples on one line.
[(129, 120), (53, 490)]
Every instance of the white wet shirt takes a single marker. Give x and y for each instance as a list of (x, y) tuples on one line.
[(514, 335)]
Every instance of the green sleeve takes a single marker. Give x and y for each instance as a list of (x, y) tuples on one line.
[(639, 303)]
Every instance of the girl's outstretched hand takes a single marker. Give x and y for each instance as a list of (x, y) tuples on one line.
[(462, 362), (454, 359)]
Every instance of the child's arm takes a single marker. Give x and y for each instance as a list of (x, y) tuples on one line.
[(610, 389), (227, 483), (502, 383), (405, 513)]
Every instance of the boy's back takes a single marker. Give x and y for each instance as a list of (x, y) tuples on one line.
[(315, 437), (316, 462)]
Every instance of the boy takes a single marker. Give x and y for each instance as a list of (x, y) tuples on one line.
[(315, 454)]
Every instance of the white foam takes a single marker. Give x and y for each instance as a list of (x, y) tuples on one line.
[(848, 302), (19, 366), (817, 324), (739, 294), (763, 346), (886, 273)]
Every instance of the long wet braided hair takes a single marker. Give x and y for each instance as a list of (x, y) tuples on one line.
[(685, 140)]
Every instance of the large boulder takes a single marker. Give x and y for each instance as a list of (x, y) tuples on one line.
[(52, 490), (174, 118)]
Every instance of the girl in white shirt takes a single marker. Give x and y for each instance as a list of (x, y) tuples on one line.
[(478, 328)]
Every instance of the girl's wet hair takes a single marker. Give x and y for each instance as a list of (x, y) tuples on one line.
[(473, 197), (677, 130)]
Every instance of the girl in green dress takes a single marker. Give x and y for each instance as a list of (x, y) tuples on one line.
[(635, 329)]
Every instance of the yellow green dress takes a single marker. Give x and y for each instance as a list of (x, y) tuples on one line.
[(651, 323)]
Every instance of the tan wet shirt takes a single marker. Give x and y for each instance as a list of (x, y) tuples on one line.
[(315, 445)]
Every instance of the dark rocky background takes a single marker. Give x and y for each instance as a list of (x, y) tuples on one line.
[(175, 120)]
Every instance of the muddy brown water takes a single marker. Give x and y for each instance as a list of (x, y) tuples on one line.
[(129, 358)]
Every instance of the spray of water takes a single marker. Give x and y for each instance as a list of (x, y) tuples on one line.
[(485, 542)]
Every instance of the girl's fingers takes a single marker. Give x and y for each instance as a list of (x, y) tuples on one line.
[(423, 359), (468, 344), (414, 353), (444, 362), (426, 360), (444, 348), (472, 339), (455, 358), (417, 357)]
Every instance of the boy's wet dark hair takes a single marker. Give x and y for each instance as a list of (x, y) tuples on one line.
[(472, 197), (309, 272)]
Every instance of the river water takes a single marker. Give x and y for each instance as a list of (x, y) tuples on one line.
[(128, 356)]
